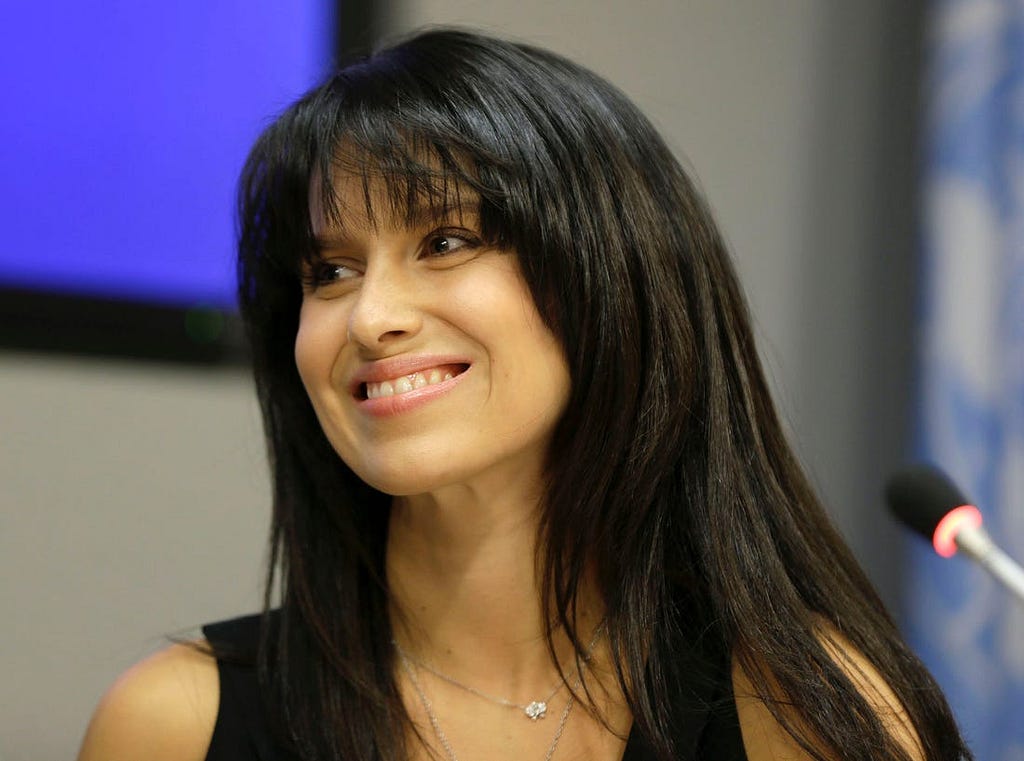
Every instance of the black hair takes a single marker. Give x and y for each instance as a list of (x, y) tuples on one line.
[(669, 476)]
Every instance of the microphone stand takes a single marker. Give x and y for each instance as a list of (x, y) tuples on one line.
[(975, 542)]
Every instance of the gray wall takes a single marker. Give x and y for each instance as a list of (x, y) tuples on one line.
[(133, 507), (135, 498)]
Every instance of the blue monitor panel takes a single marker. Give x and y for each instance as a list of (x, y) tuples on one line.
[(125, 125)]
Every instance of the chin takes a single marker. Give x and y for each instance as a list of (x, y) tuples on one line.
[(400, 482)]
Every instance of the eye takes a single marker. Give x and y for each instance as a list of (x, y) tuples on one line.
[(445, 242), (322, 273)]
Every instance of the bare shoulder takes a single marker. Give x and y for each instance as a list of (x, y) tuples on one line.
[(765, 739), (162, 708)]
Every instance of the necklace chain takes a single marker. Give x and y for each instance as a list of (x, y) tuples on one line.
[(407, 664), (535, 709)]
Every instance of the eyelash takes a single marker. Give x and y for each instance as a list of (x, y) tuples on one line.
[(322, 272), (469, 241)]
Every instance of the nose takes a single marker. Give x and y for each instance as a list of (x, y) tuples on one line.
[(385, 309)]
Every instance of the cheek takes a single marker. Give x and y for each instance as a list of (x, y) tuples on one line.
[(526, 356), (316, 345)]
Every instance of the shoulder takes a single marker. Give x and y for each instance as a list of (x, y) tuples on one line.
[(766, 739), (163, 708)]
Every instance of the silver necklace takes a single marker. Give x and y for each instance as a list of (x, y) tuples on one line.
[(443, 738), (535, 709)]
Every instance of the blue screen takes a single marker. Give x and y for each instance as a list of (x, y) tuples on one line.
[(123, 131)]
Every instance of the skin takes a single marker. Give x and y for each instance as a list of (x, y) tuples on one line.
[(386, 294), (165, 707), (162, 709), (466, 468), (466, 471)]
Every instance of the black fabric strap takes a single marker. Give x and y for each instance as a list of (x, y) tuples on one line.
[(705, 721), (242, 730)]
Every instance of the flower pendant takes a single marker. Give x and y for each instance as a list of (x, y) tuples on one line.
[(536, 710)]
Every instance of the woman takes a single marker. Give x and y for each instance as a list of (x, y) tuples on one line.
[(531, 497)]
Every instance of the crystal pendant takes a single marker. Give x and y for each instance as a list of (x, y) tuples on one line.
[(536, 710)]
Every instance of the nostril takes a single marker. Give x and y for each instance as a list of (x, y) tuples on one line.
[(390, 334)]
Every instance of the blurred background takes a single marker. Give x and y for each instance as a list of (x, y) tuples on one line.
[(135, 496)]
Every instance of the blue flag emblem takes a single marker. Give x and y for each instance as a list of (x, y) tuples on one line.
[(969, 630)]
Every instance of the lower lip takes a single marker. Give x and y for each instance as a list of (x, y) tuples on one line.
[(399, 404)]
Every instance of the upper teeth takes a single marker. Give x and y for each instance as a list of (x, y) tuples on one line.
[(406, 383)]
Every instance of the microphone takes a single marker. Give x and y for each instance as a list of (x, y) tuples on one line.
[(925, 500)]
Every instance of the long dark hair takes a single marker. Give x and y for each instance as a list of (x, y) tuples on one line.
[(670, 480)]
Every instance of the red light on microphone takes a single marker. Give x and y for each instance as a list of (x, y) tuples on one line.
[(952, 523)]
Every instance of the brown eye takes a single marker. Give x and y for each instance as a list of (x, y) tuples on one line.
[(443, 243), (322, 273)]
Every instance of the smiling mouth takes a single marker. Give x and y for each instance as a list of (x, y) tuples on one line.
[(406, 383)]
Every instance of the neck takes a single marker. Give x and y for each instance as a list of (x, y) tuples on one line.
[(463, 576)]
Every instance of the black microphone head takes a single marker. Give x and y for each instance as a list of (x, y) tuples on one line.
[(921, 496)]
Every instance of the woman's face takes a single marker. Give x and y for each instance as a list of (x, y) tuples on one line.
[(422, 351)]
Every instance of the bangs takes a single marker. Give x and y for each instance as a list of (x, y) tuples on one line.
[(414, 182), (410, 168), (427, 132)]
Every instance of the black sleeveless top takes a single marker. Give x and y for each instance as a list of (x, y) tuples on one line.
[(705, 709)]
